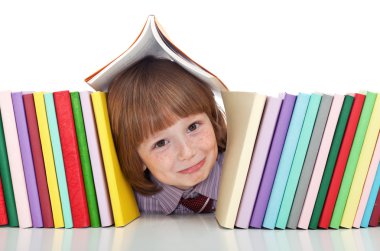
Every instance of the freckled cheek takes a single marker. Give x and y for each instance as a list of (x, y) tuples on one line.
[(207, 140)]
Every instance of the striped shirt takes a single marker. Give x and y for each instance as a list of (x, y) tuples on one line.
[(167, 200)]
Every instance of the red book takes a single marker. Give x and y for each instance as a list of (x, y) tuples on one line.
[(38, 160), (341, 162), (3, 210), (375, 216), (71, 159)]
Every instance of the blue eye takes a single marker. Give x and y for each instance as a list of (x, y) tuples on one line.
[(194, 126), (160, 143)]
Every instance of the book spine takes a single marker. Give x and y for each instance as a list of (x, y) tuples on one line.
[(58, 159), (3, 209), (310, 160), (102, 195), (298, 160), (331, 160), (124, 205), (38, 162), (6, 180), (71, 159), (360, 174), (85, 160), (370, 183), (273, 159), (259, 156), (243, 111), (340, 165), (48, 157), (320, 163), (286, 160), (27, 159), (353, 160), (375, 216), (15, 161), (371, 199)]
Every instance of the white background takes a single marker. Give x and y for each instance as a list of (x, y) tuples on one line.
[(263, 46)]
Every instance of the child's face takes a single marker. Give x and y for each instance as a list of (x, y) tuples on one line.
[(181, 155)]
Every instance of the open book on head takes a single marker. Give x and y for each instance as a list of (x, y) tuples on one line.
[(152, 41)]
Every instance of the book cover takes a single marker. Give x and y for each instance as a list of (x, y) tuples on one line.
[(71, 159), (353, 160), (15, 161), (123, 202), (310, 160), (371, 199), (258, 159), (38, 161), (3, 209), (47, 151), (375, 216), (6, 180), (58, 159), (371, 183), (360, 174), (152, 41), (85, 160), (340, 165), (27, 159), (102, 194), (298, 160), (286, 160), (320, 162), (331, 161), (243, 113), (272, 161)]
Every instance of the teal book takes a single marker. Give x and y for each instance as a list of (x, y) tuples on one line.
[(298, 160), (353, 159), (84, 154), (286, 160), (58, 159)]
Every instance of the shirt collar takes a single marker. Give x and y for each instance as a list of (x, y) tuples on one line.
[(170, 196)]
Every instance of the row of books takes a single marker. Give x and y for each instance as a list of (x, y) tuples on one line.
[(58, 163), (301, 161)]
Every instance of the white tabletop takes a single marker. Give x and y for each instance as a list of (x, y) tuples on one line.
[(196, 232)]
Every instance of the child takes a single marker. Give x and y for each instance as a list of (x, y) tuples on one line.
[(169, 135)]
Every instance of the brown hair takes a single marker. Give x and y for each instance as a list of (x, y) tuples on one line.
[(148, 97)]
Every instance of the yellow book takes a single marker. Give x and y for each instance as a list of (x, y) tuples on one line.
[(362, 167), (47, 151), (243, 112), (123, 202)]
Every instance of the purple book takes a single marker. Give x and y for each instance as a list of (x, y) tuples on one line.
[(27, 159), (259, 156), (273, 159)]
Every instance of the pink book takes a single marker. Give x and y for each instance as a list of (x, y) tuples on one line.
[(258, 160), (15, 161), (320, 163), (368, 185), (101, 187)]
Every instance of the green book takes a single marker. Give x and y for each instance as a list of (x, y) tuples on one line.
[(331, 160), (6, 179), (353, 159), (85, 160)]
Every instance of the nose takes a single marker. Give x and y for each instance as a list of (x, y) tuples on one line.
[(185, 149)]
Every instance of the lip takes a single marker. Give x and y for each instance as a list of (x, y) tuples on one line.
[(194, 168)]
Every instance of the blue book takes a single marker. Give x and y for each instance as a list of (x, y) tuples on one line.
[(286, 160), (298, 160), (58, 159), (371, 199)]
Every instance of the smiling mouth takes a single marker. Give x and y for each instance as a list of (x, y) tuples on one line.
[(194, 168)]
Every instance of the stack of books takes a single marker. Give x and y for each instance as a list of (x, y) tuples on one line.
[(58, 163), (301, 161)]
